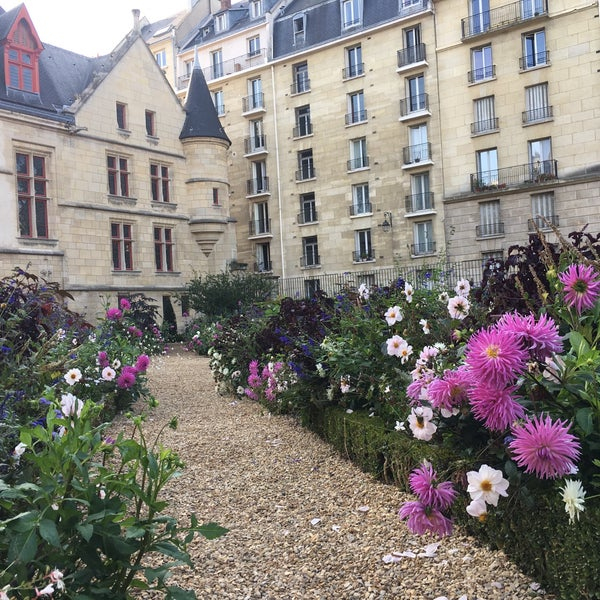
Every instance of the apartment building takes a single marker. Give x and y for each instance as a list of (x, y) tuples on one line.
[(110, 187)]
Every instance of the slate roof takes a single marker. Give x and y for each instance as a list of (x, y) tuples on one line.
[(201, 119), (324, 22)]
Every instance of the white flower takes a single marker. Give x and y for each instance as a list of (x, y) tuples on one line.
[(400, 426), (345, 384), (240, 390), (463, 287), (444, 297), (19, 449), (477, 508), (108, 373), (458, 307), (116, 363), (487, 484), (393, 315), (425, 325), (363, 291), (73, 376), (70, 405), (395, 345), (419, 421), (573, 496), (405, 352), (61, 333), (47, 591), (92, 337), (320, 370), (408, 292), (56, 577), (102, 493)]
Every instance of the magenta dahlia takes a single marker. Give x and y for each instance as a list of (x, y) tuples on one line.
[(423, 519), (425, 484), (450, 391), (544, 447), (582, 286), (495, 356), (496, 407)]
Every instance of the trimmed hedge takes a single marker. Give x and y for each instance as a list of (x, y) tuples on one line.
[(564, 558)]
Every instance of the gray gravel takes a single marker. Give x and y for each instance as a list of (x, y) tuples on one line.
[(304, 522)]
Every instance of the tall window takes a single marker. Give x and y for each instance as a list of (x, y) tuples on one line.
[(32, 195), (481, 64), (532, 8), (534, 50), (308, 208), (489, 219), (356, 108), (220, 22), (416, 93), (216, 63), (310, 251), (159, 182), (419, 145), (537, 107), (487, 167), (21, 56), (163, 248), (412, 44), (255, 100), (122, 246), (423, 237), (299, 28), (161, 58), (215, 197), (354, 63), (260, 219), (301, 80), (303, 123), (256, 9), (351, 13), (306, 168), (540, 157), (479, 16), (118, 175), (420, 196), (361, 204), (543, 210), (263, 257), (121, 110), (485, 115), (257, 138), (150, 123), (254, 46), (358, 154), (362, 245), (218, 101), (260, 181)]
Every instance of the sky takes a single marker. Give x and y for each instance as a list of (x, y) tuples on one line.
[(90, 27)]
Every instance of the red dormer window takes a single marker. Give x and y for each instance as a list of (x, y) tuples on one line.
[(21, 57)]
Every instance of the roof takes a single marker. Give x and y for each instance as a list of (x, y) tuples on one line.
[(201, 119)]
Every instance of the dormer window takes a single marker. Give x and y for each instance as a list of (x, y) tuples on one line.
[(351, 13), (220, 22), (299, 28), (21, 59), (256, 9)]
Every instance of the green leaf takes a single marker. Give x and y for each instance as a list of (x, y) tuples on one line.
[(23, 548), (177, 593), (49, 532), (212, 531), (585, 419), (578, 342), (86, 530)]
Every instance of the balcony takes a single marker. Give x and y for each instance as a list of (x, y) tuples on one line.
[(539, 172), (255, 144), (422, 249), (485, 126), (363, 255), (301, 86), (503, 17), (353, 71), (414, 105), (537, 115), (255, 102), (417, 203), (265, 266), (359, 116), (540, 59), (307, 216), (413, 155), (259, 227), (542, 223), (255, 187), (477, 75), (489, 230), (360, 209), (234, 65), (302, 130), (305, 173), (309, 261), (361, 162), (411, 56)]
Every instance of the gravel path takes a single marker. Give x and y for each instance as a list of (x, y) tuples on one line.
[(304, 522)]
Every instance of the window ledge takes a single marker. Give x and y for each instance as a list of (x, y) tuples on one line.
[(310, 267), (416, 114), (307, 223), (30, 241), (123, 132), (167, 273), (122, 273), (122, 200), (490, 237), (420, 213), (168, 205), (152, 139), (419, 163), (538, 121), (360, 215), (535, 68), (410, 66), (421, 255), (484, 80)]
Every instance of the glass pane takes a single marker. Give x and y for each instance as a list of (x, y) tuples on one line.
[(41, 218)]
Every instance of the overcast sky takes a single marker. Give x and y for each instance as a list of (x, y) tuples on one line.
[(90, 27)]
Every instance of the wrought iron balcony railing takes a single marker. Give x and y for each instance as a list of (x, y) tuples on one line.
[(422, 249), (534, 60), (363, 255), (416, 154), (411, 55), (310, 260), (502, 17), (253, 102), (302, 130), (353, 71), (235, 65), (359, 116), (255, 143), (488, 72), (489, 229), (540, 222), (414, 104), (543, 113), (259, 227), (300, 86), (361, 162), (484, 126), (360, 208), (264, 266), (307, 172), (419, 202), (257, 186), (532, 173), (307, 216)]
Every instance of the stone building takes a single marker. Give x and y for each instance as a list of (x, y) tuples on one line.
[(108, 185)]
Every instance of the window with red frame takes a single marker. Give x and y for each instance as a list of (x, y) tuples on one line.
[(121, 235), (32, 191), (121, 115), (159, 182), (163, 248), (216, 196), (150, 123), (22, 60), (118, 175)]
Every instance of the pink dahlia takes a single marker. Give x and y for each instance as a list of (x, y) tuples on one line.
[(102, 359), (125, 304), (496, 407), (450, 391), (142, 363), (423, 519), (582, 287), (545, 448), (495, 356), (113, 314), (541, 337), (126, 379), (430, 491)]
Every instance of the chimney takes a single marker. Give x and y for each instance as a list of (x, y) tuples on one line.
[(225, 4), (136, 20)]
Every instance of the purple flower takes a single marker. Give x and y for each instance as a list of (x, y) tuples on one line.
[(102, 359), (422, 519), (430, 491), (496, 407), (113, 314), (126, 379), (495, 356), (541, 337), (142, 363), (545, 448), (125, 304), (450, 391), (582, 287)]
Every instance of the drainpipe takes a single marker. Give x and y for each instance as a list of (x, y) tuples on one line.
[(278, 171)]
